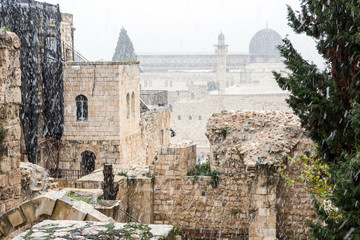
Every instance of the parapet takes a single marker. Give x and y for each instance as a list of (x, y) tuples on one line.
[(175, 160), (131, 63)]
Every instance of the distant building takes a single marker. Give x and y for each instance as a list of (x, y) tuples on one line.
[(202, 84), (218, 71)]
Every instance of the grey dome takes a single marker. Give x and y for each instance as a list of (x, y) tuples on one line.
[(221, 36), (265, 42)]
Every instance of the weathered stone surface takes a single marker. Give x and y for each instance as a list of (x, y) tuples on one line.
[(88, 230), (35, 180), (16, 217), (54, 205), (10, 81)]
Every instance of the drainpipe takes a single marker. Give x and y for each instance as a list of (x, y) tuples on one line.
[(72, 39)]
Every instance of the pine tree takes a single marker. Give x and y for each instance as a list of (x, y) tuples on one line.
[(328, 104), (124, 50)]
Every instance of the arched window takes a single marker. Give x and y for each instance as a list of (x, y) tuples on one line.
[(133, 104), (81, 108), (128, 106)]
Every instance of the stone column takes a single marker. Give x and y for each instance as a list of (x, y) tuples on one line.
[(262, 212)]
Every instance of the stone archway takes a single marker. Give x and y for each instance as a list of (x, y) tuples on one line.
[(51, 205), (87, 163)]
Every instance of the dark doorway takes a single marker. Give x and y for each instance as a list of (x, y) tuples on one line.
[(87, 164)]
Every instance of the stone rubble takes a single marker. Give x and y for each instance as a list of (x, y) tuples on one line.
[(35, 180)]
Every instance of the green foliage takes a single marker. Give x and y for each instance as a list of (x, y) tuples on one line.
[(2, 133), (176, 230), (124, 50), (327, 103), (149, 175), (142, 230), (224, 132), (123, 174), (200, 170), (234, 212), (313, 175), (79, 198), (6, 29), (204, 170), (72, 195)]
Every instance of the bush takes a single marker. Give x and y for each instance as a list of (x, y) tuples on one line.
[(205, 170)]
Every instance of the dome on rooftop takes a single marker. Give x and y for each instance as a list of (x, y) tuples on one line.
[(221, 36), (265, 42)]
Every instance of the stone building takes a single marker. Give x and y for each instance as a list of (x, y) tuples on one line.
[(102, 119), (200, 85), (77, 115), (217, 71)]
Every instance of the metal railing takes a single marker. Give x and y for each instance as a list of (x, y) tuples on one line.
[(65, 173), (78, 57)]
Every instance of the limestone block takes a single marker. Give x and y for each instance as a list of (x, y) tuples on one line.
[(44, 205), (261, 190), (13, 95), (16, 217), (96, 216), (5, 226), (64, 210), (3, 180)]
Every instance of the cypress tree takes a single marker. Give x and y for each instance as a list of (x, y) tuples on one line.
[(327, 103), (124, 50)]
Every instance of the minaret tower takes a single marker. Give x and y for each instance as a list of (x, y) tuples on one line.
[(221, 53)]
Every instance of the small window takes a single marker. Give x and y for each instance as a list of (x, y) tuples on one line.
[(166, 83), (150, 83), (200, 117), (192, 96), (81, 108), (128, 106), (171, 83), (171, 107), (133, 104), (145, 83), (190, 117), (179, 117)]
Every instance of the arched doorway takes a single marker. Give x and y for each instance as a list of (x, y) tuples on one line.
[(87, 164)]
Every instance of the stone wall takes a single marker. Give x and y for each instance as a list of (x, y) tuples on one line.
[(155, 132), (250, 200), (291, 202), (154, 98), (189, 117), (66, 28), (10, 98)]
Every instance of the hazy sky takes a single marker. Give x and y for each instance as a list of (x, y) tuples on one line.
[(177, 26)]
